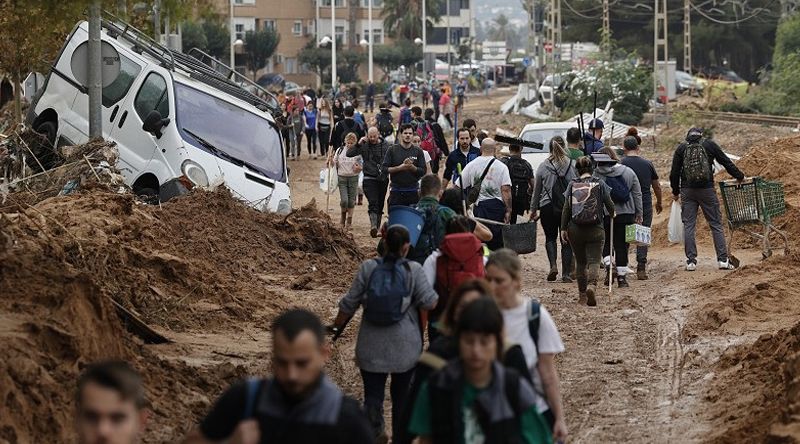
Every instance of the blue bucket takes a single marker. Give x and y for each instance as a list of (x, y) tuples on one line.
[(408, 217)]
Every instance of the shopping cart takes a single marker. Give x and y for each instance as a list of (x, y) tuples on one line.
[(755, 201)]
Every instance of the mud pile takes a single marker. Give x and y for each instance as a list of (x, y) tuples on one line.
[(202, 262)]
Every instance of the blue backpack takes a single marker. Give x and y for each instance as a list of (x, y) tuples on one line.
[(620, 193), (405, 115), (388, 285)]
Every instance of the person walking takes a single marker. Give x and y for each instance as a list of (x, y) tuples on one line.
[(593, 139), (427, 137), (370, 96), (692, 181), (494, 195), (646, 173), (392, 290), (383, 120), (338, 110), (310, 125), (426, 94), (438, 136), (347, 170), (298, 404), (537, 335), (463, 155), (582, 226), (405, 115), (372, 150), (446, 106), (324, 126), (297, 128), (435, 218), (552, 178), (468, 399), (453, 198), (405, 165), (626, 193), (522, 181), (574, 150), (346, 126), (436, 95), (284, 122)]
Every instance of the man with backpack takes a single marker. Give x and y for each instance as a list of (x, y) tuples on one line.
[(521, 173), (405, 113), (299, 404), (344, 127), (435, 218), (692, 182), (438, 136), (372, 150), (392, 291), (427, 137), (405, 165), (384, 122)]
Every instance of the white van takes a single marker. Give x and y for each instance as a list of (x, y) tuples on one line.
[(178, 122), (542, 133)]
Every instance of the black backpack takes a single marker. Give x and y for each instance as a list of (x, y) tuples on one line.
[(557, 197), (620, 193), (385, 127), (429, 238), (696, 165)]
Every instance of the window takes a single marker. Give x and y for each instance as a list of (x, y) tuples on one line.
[(128, 70), (152, 95), (375, 3), (242, 25), (377, 34), (297, 28), (340, 36), (269, 24), (239, 32), (339, 3), (290, 66)]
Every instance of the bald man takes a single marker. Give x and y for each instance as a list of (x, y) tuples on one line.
[(372, 149), (494, 200)]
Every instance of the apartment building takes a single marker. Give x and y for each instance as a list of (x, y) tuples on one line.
[(462, 25)]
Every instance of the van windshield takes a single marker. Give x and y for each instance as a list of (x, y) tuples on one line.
[(542, 136), (237, 132)]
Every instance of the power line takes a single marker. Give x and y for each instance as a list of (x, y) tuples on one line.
[(578, 13), (732, 22)]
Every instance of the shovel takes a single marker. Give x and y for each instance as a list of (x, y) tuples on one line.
[(611, 262)]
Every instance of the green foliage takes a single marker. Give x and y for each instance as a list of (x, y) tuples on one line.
[(787, 39), (347, 63), (193, 36), (314, 57), (401, 18), (259, 46), (401, 53), (628, 87), (218, 37)]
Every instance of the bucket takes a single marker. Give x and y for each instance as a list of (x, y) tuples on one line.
[(408, 217), (520, 237)]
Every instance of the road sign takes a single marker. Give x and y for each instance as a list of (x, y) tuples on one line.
[(526, 62), (110, 63)]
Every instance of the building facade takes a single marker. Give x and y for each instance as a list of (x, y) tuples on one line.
[(461, 23)]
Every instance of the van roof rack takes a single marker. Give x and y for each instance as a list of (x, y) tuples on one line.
[(198, 64)]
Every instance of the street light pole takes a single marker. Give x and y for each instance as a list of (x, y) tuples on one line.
[(424, 37), (449, 37), (95, 74), (233, 38), (333, 46), (371, 37)]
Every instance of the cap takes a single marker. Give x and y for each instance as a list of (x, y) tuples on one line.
[(596, 124), (694, 133)]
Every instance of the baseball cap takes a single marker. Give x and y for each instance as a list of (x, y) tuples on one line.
[(596, 124)]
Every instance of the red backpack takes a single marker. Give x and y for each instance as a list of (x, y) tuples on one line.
[(461, 259), (427, 141)]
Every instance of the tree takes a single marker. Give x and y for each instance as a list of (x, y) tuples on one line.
[(628, 88), (218, 38), (347, 65), (316, 58), (259, 47), (401, 53), (401, 18), (193, 36)]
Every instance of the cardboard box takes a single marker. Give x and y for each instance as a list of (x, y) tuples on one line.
[(638, 235)]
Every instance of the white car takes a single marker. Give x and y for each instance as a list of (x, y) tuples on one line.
[(548, 87), (177, 122), (542, 133)]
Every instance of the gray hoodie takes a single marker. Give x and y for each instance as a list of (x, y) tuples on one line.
[(546, 176), (632, 206)]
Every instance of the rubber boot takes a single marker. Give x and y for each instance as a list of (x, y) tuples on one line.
[(622, 281), (375, 418), (566, 266), (552, 256), (641, 272), (591, 294), (583, 284), (360, 199), (349, 220), (343, 219), (373, 225)]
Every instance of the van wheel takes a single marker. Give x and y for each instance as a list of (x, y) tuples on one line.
[(148, 195), (49, 130)]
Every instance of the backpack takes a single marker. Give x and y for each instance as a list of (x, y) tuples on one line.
[(461, 259), (427, 141), (387, 287), (696, 166), (620, 193), (521, 173), (586, 201), (534, 319), (405, 115), (430, 237), (557, 197), (384, 124)]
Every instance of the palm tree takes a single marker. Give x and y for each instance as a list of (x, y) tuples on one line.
[(499, 31), (402, 18)]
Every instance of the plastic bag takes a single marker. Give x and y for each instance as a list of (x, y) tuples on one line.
[(444, 123), (326, 175), (361, 182), (675, 227)]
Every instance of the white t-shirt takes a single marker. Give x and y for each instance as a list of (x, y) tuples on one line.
[(492, 184), (429, 267), (516, 326)]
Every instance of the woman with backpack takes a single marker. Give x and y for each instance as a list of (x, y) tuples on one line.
[(475, 398), (392, 290), (530, 325), (347, 171), (626, 193), (582, 226), (552, 178)]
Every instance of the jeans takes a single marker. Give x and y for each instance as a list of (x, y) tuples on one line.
[(587, 243), (492, 209), (706, 198), (407, 198), (288, 141), (324, 138), (375, 190), (311, 138), (647, 221), (370, 105), (298, 142), (551, 225), (620, 246), (374, 388), (348, 189)]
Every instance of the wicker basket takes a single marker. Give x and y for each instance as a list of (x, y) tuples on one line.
[(520, 237)]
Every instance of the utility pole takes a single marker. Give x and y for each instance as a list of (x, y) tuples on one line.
[(157, 20), (605, 42), (122, 9), (531, 38), (538, 46), (660, 55), (449, 38), (424, 38), (95, 75), (687, 36), (233, 38), (372, 37), (333, 46)]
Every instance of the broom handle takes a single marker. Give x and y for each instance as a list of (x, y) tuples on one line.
[(611, 260)]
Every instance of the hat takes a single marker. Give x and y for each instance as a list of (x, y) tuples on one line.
[(596, 124), (694, 133), (602, 158)]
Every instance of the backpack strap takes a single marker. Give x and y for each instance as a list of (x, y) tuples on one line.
[(512, 392), (534, 318), (433, 361), (251, 394), (486, 170)]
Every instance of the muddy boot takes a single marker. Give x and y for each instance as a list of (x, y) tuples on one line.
[(349, 224), (566, 267), (374, 220), (552, 255), (622, 281), (375, 418), (641, 272), (591, 294), (343, 219), (360, 199), (582, 286)]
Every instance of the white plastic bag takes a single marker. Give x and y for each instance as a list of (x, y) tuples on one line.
[(675, 227), (326, 175), (444, 123)]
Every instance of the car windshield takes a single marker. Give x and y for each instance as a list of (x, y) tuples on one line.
[(683, 77), (239, 133), (542, 136)]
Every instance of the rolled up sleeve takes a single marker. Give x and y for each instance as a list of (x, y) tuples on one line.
[(424, 295)]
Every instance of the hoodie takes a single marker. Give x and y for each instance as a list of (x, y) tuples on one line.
[(373, 155), (546, 176), (633, 205), (713, 151)]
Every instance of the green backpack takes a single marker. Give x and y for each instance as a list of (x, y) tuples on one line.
[(696, 165)]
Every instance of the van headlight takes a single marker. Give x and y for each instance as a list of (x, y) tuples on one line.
[(195, 173), (284, 206)]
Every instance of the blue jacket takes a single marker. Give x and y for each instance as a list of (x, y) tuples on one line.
[(591, 145), (457, 157)]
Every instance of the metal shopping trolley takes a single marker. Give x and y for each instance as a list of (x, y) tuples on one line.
[(755, 201)]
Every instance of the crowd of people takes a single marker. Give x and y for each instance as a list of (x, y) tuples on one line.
[(488, 374)]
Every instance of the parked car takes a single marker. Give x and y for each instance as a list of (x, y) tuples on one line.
[(685, 82), (723, 81), (542, 133), (548, 86), (177, 122)]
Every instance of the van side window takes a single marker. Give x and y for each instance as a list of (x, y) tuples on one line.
[(128, 70), (152, 95)]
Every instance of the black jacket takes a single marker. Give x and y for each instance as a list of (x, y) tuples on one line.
[(395, 156), (438, 136), (348, 125), (373, 155), (714, 152)]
